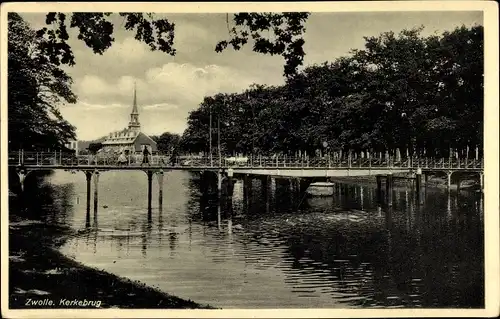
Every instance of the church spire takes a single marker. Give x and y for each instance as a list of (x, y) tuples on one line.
[(134, 107), (134, 124)]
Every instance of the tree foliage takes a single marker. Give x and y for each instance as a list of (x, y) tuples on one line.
[(284, 31), (285, 36), (37, 86), (167, 142), (421, 95), (94, 147)]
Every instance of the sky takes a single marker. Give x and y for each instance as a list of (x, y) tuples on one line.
[(168, 88)]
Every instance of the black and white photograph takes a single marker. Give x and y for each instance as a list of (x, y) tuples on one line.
[(301, 159)]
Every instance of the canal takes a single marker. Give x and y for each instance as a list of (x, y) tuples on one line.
[(337, 252)]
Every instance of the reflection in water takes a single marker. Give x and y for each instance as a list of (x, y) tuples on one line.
[(279, 249)]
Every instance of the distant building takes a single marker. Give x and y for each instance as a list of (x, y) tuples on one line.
[(78, 146), (130, 139)]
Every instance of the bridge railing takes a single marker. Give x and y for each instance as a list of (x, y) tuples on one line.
[(69, 159)]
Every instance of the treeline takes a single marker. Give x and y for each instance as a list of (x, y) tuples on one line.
[(421, 95), (37, 86)]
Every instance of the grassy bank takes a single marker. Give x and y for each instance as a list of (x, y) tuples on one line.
[(38, 271)]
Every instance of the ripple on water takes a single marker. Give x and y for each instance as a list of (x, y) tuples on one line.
[(323, 255)]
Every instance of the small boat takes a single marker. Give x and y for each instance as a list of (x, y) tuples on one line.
[(320, 189)]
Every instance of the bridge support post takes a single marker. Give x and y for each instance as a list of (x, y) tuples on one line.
[(266, 184), (379, 189), (304, 184), (266, 190), (388, 189), (247, 188), (96, 191), (426, 179), (204, 183), (361, 197), (88, 176), (418, 184), (22, 177), (160, 176), (481, 181), (230, 189), (150, 184), (295, 185), (219, 184), (448, 179)]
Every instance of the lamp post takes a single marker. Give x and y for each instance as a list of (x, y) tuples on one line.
[(210, 137), (325, 146), (218, 134)]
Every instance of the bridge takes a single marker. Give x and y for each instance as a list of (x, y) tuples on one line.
[(299, 171)]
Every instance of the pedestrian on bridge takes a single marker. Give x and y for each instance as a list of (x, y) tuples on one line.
[(145, 156), (122, 159)]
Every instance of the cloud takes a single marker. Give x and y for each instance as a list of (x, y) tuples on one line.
[(90, 106), (162, 106), (184, 85), (128, 50), (96, 120)]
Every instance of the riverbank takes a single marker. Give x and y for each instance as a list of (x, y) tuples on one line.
[(39, 272)]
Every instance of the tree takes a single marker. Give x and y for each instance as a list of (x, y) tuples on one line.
[(94, 147), (37, 86), (167, 142), (402, 91), (96, 30)]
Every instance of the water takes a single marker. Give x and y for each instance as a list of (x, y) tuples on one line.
[(336, 252)]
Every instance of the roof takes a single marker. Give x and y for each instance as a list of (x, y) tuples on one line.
[(126, 137)]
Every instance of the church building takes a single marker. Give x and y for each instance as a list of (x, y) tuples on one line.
[(130, 140)]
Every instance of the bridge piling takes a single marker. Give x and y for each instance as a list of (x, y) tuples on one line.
[(448, 179), (88, 176), (219, 184), (418, 184), (388, 189), (481, 181), (160, 176), (22, 177), (379, 189), (96, 191), (150, 184), (247, 188), (230, 191), (361, 197)]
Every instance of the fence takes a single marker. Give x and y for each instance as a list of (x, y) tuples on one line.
[(69, 159)]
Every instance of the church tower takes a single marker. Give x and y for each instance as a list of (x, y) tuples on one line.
[(134, 124)]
